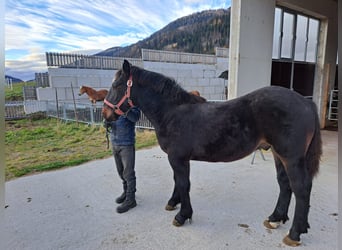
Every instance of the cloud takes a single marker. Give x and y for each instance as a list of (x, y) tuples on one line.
[(25, 67), (35, 27)]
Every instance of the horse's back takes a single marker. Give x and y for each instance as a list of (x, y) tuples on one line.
[(94, 95), (103, 92), (280, 105)]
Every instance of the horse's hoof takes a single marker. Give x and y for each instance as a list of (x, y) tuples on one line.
[(170, 208), (289, 242), (179, 223), (271, 225)]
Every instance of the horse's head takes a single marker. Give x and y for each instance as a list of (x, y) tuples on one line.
[(82, 90), (118, 101)]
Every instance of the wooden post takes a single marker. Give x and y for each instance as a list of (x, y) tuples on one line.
[(325, 96), (57, 103), (73, 97)]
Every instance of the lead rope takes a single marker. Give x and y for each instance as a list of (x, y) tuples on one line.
[(107, 134), (107, 137)]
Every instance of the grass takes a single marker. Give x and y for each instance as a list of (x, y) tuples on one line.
[(33, 146), (16, 94)]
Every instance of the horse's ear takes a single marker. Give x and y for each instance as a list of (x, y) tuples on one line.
[(126, 67)]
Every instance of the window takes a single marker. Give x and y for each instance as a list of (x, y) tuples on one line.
[(312, 40), (295, 36), (301, 38), (277, 33), (294, 52), (287, 39)]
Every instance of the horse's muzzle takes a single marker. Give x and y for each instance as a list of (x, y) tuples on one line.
[(108, 114)]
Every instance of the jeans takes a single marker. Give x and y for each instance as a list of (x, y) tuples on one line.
[(124, 157)]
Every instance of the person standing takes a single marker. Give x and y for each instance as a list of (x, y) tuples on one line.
[(122, 135)]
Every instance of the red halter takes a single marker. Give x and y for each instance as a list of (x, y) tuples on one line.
[(116, 107)]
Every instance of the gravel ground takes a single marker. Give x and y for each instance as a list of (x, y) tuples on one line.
[(74, 208)]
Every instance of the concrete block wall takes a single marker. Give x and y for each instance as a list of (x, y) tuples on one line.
[(61, 80), (95, 78), (200, 77)]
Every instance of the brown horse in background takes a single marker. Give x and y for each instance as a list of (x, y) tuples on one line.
[(195, 92), (93, 95)]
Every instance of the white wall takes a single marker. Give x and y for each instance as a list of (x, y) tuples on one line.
[(201, 77), (95, 78), (251, 36), (61, 80)]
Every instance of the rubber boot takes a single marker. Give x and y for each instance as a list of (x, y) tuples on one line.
[(127, 204), (121, 198)]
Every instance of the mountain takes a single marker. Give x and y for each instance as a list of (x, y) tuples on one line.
[(197, 33), (14, 80)]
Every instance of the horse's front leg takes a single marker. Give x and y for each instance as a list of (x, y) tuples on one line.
[(181, 170), (174, 200)]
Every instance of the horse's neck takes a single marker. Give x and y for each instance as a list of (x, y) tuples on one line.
[(156, 111), (90, 90), (157, 106)]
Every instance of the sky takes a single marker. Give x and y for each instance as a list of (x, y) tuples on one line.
[(86, 27)]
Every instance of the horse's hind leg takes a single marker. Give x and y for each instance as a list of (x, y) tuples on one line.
[(181, 170), (280, 212), (301, 184)]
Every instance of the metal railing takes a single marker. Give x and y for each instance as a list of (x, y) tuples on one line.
[(222, 52), (78, 112), (79, 61), (42, 79), (176, 57), (85, 113), (333, 106), (29, 93), (63, 110), (65, 60), (23, 109), (14, 110)]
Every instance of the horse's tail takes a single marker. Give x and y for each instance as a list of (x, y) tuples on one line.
[(313, 155)]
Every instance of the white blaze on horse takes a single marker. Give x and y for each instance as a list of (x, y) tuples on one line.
[(93, 95)]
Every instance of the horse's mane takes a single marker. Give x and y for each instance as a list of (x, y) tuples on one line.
[(86, 89), (118, 74), (165, 86)]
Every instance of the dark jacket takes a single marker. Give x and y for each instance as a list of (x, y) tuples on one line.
[(123, 129)]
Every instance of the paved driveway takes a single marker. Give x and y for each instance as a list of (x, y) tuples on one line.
[(74, 208)]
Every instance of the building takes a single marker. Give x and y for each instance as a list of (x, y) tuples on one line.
[(300, 36), (291, 43)]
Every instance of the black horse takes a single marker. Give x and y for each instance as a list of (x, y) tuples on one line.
[(190, 128)]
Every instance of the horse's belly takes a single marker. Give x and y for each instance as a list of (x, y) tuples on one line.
[(221, 156)]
